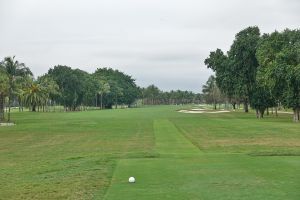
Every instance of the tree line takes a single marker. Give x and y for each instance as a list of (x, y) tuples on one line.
[(262, 71), (75, 89), (152, 95)]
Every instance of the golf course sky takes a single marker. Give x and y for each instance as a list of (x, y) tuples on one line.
[(161, 42)]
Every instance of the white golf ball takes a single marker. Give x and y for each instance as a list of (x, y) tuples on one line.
[(131, 180)]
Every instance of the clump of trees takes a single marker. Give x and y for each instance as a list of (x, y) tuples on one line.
[(260, 70), (12, 75), (115, 88), (103, 88), (74, 89), (152, 95)]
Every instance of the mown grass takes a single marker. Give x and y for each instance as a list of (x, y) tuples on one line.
[(242, 133), (90, 155)]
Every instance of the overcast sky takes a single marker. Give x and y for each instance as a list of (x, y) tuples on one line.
[(163, 42)]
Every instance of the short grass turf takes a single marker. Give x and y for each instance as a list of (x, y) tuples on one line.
[(90, 155)]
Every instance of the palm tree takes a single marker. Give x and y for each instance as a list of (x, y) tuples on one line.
[(3, 92), (35, 95), (14, 71), (22, 84), (49, 87)]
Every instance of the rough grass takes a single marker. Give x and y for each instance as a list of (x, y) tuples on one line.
[(67, 155), (90, 155)]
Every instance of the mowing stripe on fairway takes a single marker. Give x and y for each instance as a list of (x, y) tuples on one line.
[(168, 139)]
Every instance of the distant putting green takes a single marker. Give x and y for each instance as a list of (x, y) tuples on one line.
[(91, 155)]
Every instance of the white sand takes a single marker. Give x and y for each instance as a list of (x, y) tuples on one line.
[(285, 112), (196, 111), (7, 124)]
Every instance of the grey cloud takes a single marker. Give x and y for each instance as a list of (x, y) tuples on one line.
[(165, 57), (160, 42)]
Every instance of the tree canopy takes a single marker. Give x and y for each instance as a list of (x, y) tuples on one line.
[(260, 70)]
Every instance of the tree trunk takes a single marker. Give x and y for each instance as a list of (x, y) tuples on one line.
[(260, 113), (257, 114), (33, 108), (296, 114), (276, 113), (272, 110), (215, 105), (1, 107), (8, 116), (101, 106), (233, 105), (246, 109), (96, 101)]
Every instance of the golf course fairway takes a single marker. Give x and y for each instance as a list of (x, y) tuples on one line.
[(172, 155), (183, 172)]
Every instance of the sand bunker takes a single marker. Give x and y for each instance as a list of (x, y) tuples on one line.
[(196, 111), (283, 112), (7, 124)]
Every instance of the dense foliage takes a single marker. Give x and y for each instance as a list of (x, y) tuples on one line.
[(74, 89), (115, 87), (261, 70), (79, 88)]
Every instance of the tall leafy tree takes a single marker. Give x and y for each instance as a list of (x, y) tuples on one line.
[(279, 58), (152, 94), (72, 85), (91, 87), (261, 99), (244, 62), (122, 87), (225, 75)]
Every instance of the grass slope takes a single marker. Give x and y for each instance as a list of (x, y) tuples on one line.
[(90, 155)]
